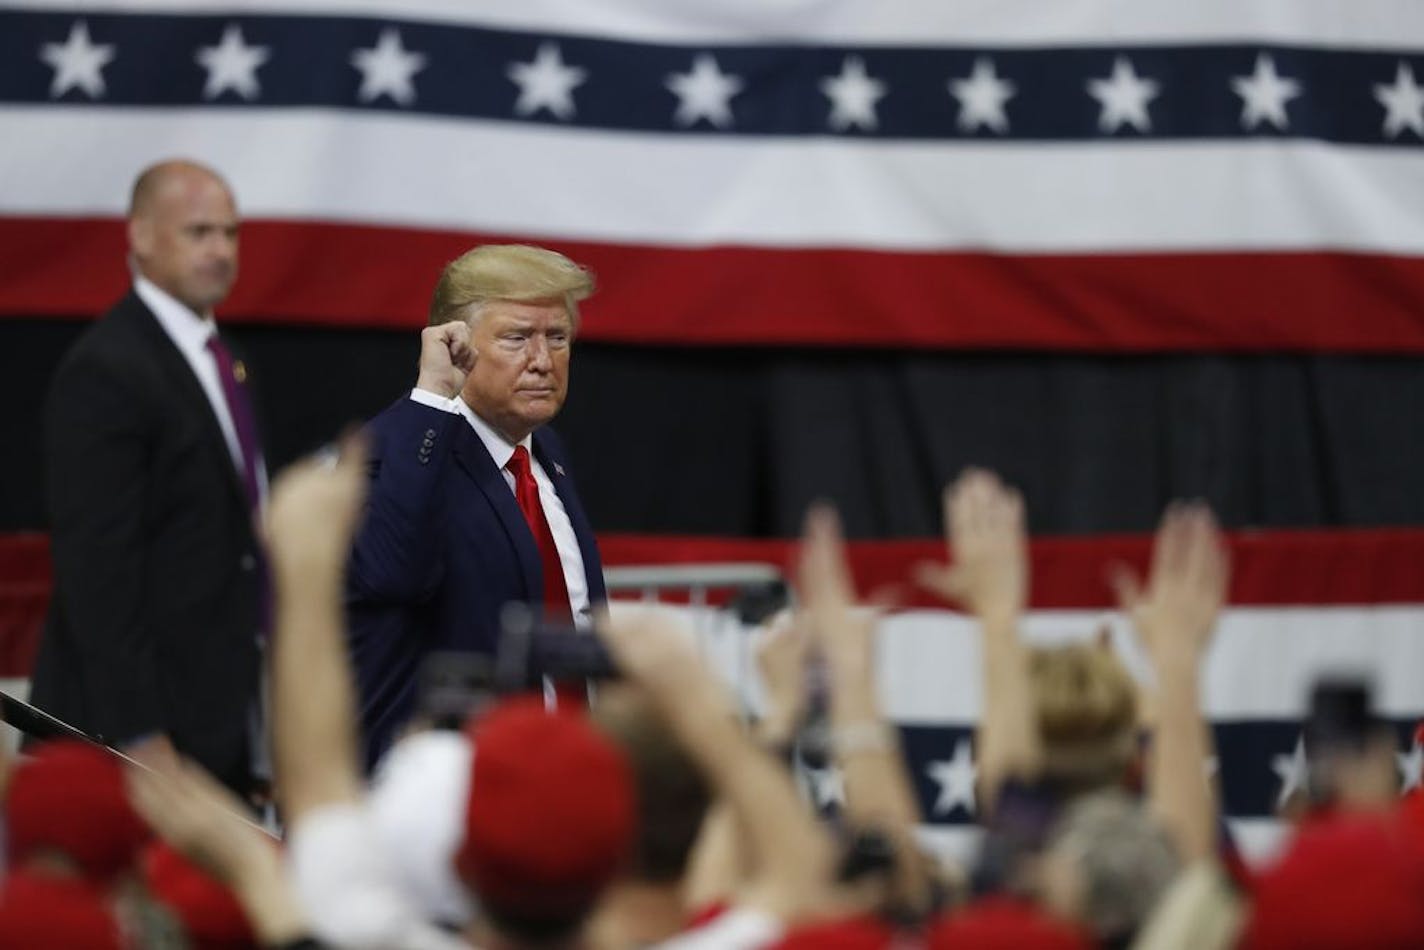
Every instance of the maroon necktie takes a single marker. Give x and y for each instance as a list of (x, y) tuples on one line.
[(526, 492), (240, 409)]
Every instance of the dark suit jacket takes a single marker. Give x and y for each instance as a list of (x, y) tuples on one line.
[(156, 606), (443, 547)]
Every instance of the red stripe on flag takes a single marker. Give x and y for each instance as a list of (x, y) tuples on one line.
[(349, 275), (1275, 568), (1269, 568)]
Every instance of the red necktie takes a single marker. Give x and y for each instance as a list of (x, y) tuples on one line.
[(556, 592), (526, 492)]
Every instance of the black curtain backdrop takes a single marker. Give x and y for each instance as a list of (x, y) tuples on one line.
[(738, 442)]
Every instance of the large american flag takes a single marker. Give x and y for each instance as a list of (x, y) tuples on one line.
[(1110, 175), (1078, 174)]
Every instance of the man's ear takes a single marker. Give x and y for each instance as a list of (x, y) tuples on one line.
[(140, 237)]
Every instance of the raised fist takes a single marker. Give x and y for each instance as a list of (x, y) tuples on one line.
[(446, 358)]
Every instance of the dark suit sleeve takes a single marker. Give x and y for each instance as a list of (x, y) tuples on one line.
[(398, 552), (98, 453)]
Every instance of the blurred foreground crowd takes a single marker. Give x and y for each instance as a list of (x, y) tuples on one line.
[(657, 817)]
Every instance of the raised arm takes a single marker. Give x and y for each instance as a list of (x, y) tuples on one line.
[(310, 523), (878, 790), (396, 556), (790, 854), (720, 861), (989, 575), (200, 819), (1175, 616)]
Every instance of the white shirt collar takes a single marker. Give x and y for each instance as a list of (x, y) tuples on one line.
[(499, 448), (188, 330)]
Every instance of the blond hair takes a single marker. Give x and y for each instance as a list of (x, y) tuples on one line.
[(1086, 705), (518, 272)]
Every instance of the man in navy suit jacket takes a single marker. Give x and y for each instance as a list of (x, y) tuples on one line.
[(471, 504)]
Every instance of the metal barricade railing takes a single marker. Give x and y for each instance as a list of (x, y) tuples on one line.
[(720, 633)]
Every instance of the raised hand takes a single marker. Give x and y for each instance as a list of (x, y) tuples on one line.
[(843, 632), (1186, 588), (1175, 615), (446, 358), (313, 513), (984, 528), (655, 650)]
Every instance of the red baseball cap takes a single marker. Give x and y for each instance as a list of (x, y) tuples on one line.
[(550, 814), (850, 933), (1002, 923), (209, 912), (1349, 881), (42, 912), (70, 797)]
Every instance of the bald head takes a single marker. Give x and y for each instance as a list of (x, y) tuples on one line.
[(183, 232), (165, 177)]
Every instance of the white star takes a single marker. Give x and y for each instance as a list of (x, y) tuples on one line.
[(388, 69), (982, 97), (955, 777), (704, 93), (1411, 767), (232, 64), (546, 83), (827, 786), (1124, 97), (1403, 102), (1264, 95), (1292, 769), (77, 62), (853, 95)]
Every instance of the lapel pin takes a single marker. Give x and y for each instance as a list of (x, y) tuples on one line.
[(239, 371), (558, 468)]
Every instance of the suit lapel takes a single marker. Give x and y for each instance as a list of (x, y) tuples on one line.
[(553, 463), (180, 375), (472, 456)]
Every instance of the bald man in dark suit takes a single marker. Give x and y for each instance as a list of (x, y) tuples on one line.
[(155, 479)]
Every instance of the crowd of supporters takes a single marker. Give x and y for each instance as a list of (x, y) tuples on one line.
[(658, 818)]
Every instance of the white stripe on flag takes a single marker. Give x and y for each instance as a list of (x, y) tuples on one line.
[(539, 182), (1261, 665)]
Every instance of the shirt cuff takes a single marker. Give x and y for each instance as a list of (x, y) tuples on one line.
[(435, 401)]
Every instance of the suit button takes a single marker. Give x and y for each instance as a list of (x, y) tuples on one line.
[(247, 562), (428, 443), (429, 433)]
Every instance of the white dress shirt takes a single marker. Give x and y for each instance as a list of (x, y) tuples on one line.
[(501, 451), (190, 332)]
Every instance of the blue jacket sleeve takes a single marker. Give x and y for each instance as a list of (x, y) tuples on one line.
[(398, 555)]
